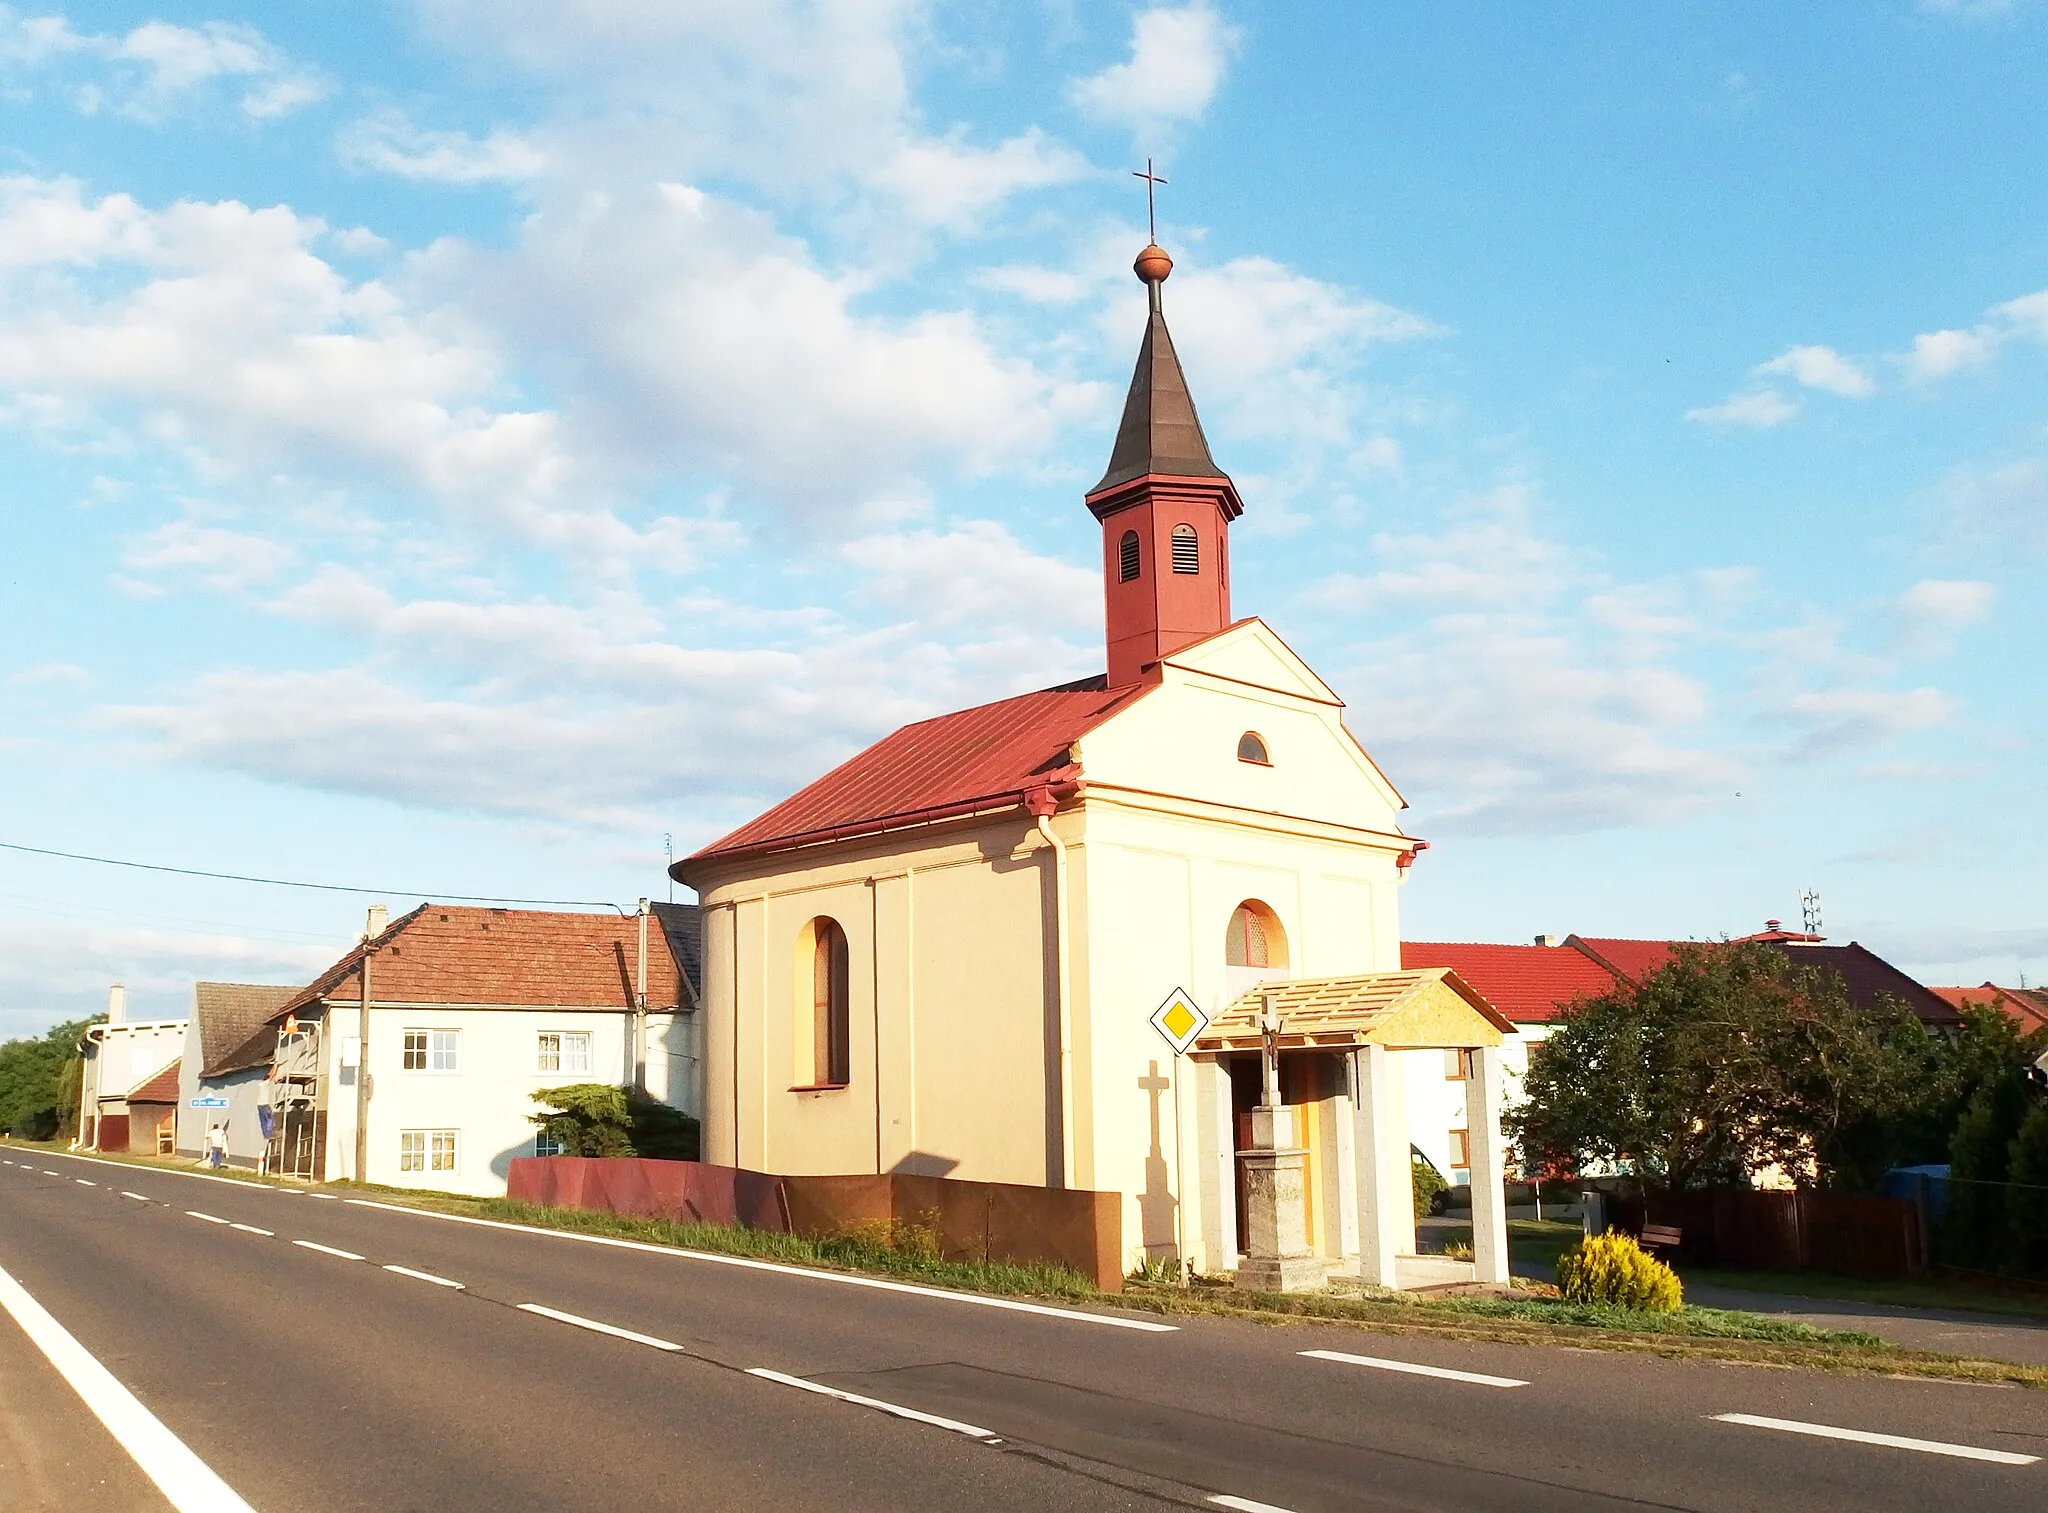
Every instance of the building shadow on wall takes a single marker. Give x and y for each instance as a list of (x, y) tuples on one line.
[(925, 1164), (1156, 1205)]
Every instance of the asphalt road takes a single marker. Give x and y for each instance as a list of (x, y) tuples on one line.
[(315, 1380)]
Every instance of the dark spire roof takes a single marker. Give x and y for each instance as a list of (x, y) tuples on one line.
[(1160, 432)]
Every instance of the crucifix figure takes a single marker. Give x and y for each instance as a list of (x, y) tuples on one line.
[(1269, 1053), (1152, 182)]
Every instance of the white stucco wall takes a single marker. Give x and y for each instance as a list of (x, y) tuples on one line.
[(118, 1056)]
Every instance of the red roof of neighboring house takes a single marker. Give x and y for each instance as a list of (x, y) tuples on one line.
[(1529, 984), (162, 1088), (956, 764), (2026, 1007), (1630, 959)]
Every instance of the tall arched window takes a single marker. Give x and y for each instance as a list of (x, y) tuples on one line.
[(823, 1014), (1127, 557), (1254, 938), (1187, 550)]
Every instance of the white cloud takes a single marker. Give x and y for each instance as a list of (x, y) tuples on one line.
[(1930, 613), (218, 558), (1842, 721), (50, 672), (157, 67), (1759, 409), (1820, 368), (2007, 504), (947, 182), (1937, 354), (976, 572), (1177, 62), (389, 143)]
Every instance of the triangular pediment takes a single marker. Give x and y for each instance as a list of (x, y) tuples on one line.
[(1250, 653)]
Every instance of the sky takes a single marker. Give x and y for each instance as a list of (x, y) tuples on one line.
[(469, 448)]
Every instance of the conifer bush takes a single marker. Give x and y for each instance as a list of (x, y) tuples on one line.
[(1613, 1269)]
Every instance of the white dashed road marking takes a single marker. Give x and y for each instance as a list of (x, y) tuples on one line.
[(190, 1485), (329, 1250), (1246, 1505), (193, 1213), (1476, 1378), (136, 1196), (250, 1229), (1891, 1441), (83, 1183), (424, 1276), (972, 1431), (592, 1324)]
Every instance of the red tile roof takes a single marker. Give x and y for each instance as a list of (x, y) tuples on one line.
[(162, 1088), (1529, 984), (451, 954), (2026, 1007), (985, 757), (1631, 959), (1865, 975)]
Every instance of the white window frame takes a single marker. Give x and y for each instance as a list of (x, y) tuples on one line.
[(564, 1041), (545, 1144), (412, 1150), (440, 1051), (444, 1150)]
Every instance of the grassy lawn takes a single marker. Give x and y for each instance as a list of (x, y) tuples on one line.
[(1702, 1333), (1528, 1239), (1931, 1293)]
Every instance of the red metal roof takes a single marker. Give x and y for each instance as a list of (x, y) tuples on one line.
[(1529, 984), (162, 1088), (952, 764)]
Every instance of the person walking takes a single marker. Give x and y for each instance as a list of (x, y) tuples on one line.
[(216, 1146)]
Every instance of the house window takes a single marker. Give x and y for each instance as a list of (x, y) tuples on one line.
[(1127, 557), (824, 1053), (1251, 747), (1461, 1151), (1187, 550), (432, 1050), (426, 1150), (565, 1051), (545, 1144), (1254, 938)]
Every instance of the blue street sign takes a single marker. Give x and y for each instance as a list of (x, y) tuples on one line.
[(209, 1100)]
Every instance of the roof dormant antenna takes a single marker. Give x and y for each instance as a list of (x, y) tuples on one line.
[(1809, 910)]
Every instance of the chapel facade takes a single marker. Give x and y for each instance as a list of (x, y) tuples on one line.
[(944, 956)]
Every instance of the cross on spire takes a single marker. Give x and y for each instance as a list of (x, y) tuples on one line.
[(1152, 182)]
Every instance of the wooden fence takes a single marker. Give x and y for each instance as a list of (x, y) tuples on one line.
[(1853, 1234), (973, 1221)]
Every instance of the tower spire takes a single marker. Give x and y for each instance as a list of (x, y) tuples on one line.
[(1164, 505)]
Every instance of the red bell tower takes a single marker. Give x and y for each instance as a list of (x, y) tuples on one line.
[(1165, 509)]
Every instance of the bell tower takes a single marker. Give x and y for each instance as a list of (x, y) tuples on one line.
[(1165, 509)]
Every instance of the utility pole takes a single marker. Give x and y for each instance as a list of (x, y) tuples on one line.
[(640, 1005), (363, 1050)]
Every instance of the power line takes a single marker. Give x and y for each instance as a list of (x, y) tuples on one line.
[(282, 882)]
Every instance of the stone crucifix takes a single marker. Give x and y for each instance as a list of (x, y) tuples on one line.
[(1270, 1025)]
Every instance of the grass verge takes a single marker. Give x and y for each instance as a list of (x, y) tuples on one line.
[(1957, 1296), (1691, 1333)]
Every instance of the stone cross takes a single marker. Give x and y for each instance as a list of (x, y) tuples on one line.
[(1270, 1024)]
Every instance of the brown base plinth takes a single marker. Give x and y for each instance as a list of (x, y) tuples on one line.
[(1282, 1273)]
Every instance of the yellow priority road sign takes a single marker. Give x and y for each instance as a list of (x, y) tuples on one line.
[(1179, 1021)]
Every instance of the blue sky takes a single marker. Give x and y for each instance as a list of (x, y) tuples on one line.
[(449, 447)]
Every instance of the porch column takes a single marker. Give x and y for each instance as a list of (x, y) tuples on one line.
[(1375, 1141), (1489, 1176)]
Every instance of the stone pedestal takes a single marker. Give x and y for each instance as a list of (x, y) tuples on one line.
[(1277, 1257)]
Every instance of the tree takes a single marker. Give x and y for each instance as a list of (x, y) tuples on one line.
[(1728, 1059), (39, 1082), (2027, 1197), (596, 1119), (1980, 1162)]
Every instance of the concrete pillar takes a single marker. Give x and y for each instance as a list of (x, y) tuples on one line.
[(1375, 1140), (1217, 1164), (1489, 1176)]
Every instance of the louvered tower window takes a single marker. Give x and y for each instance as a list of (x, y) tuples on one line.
[(1127, 557), (1187, 550)]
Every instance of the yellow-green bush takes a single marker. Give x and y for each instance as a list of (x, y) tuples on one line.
[(1615, 1270)]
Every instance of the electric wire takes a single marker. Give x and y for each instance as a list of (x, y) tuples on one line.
[(282, 882)]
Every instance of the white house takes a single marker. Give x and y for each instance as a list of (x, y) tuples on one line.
[(120, 1057), (469, 1012), (215, 1085)]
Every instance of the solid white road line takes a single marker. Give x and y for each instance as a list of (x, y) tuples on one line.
[(1246, 1505), (250, 1229), (425, 1276), (972, 1431), (193, 1213), (1476, 1378), (328, 1196), (592, 1324), (1009, 1305), (1892, 1441), (328, 1250), (185, 1480)]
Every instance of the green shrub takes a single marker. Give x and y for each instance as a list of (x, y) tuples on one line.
[(1428, 1181), (1613, 1269), (596, 1119)]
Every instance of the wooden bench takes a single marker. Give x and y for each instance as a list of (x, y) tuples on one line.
[(1661, 1236)]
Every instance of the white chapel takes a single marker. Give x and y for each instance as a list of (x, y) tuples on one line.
[(947, 955)]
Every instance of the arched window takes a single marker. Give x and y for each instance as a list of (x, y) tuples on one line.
[(1187, 550), (1251, 747), (1255, 938), (1127, 557), (823, 1015)]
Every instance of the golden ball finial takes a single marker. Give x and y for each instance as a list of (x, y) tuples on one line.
[(1153, 265)]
